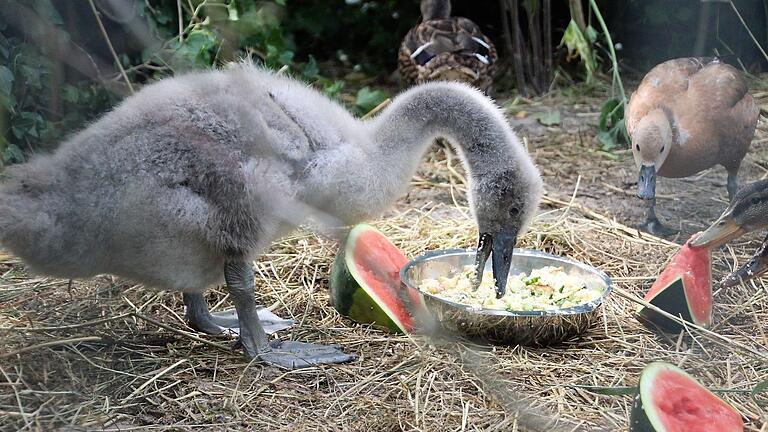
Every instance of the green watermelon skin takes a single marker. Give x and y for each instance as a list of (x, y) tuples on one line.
[(670, 400), (365, 283), (683, 289), (349, 298)]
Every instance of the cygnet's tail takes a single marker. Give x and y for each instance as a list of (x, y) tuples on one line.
[(32, 200)]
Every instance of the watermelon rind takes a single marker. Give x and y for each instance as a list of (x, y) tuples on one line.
[(351, 296), (672, 299), (643, 417), (680, 296)]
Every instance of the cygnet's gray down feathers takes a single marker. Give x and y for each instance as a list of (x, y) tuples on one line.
[(207, 167)]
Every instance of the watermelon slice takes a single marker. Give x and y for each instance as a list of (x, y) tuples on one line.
[(365, 283), (683, 289), (670, 400)]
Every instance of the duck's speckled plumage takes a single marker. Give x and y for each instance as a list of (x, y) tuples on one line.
[(445, 47)]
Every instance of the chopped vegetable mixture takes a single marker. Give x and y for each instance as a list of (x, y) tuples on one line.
[(546, 288)]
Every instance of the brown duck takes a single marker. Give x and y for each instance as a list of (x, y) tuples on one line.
[(687, 115), (442, 47)]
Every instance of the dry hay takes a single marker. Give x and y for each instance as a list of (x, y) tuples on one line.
[(103, 354)]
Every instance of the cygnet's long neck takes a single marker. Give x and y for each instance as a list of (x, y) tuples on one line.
[(469, 120)]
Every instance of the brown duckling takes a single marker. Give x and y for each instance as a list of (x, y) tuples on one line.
[(688, 115), (448, 48), (747, 212)]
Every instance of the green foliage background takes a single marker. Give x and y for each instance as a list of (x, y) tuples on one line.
[(40, 105)]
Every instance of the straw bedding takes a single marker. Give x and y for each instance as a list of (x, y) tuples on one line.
[(103, 354)]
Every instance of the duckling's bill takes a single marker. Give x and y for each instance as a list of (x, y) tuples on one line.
[(723, 230)]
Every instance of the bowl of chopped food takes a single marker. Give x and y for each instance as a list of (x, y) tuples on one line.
[(548, 299)]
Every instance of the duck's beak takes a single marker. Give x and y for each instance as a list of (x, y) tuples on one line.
[(756, 266), (501, 246), (646, 182), (719, 233)]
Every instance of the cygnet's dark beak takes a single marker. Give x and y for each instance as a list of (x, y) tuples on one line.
[(501, 246), (646, 182), (723, 230), (756, 266)]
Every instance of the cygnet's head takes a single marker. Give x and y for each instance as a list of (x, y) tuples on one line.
[(747, 212), (651, 143), (504, 203)]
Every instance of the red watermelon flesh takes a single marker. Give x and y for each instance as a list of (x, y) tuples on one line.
[(365, 282), (377, 262), (691, 268), (672, 401)]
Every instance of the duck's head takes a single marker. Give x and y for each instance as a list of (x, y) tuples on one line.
[(747, 212), (651, 143), (435, 9), (504, 205)]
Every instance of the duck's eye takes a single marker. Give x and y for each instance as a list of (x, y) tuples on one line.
[(755, 201), (662, 150), (637, 147)]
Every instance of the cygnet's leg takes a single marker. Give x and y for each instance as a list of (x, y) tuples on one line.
[(202, 320), (733, 183), (289, 354), (652, 224)]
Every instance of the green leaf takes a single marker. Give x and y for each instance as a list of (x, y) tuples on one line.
[(13, 154), (578, 45), (280, 2), (761, 387), (607, 391), (232, 10), (548, 118), (6, 80), (368, 99), (309, 69)]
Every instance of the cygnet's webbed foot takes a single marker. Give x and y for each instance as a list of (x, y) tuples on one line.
[(655, 227), (253, 338), (296, 355), (199, 318)]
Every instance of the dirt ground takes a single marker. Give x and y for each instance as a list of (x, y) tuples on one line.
[(121, 358)]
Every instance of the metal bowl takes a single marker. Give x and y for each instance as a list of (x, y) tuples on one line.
[(531, 328)]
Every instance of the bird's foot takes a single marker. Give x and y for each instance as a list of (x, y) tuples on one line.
[(655, 227), (296, 355), (227, 322)]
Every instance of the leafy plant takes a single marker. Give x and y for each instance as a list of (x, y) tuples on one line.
[(611, 130), (368, 99), (580, 44)]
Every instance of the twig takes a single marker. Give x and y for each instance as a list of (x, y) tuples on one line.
[(618, 225), (151, 380), (181, 23), (69, 327), (736, 11), (109, 44), (614, 63), (712, 335), (51, 344), (376, 109), (181, 332)]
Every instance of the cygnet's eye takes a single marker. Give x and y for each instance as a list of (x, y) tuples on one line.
[(513, 211)]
